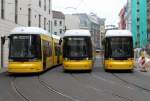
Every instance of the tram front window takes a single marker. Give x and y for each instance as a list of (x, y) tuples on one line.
[(25, 47), (77, 47), (120, 47)]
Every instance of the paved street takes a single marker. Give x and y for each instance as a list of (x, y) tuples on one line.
[(55, 85), (36, 34)]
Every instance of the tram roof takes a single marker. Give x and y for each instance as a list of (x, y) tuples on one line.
[(56, 36), (111, 33), (77, 32), (29, 30)]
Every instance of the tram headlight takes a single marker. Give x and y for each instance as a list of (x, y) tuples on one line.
[(87, 58), (66, 58), (10, 60)]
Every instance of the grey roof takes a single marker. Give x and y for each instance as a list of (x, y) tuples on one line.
[(58, 15)]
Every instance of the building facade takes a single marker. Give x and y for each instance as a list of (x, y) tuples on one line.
[(15, 13), (102, 31), (148, 20), (95, 29), (84, 21), (58, 27), (139, 22), (72, 22), (122, 22)]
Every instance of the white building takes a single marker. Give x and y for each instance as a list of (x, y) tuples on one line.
[(89, 22), (22, 13), (58, 27), (72, 21), (102, 31)]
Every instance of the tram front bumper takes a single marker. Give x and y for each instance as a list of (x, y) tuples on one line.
[(78, 65), (119, 65), (25, 67)]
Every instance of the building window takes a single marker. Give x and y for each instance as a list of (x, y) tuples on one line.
[(138, 27), (55, 33), (65, 28), (85, 23), (2, 9), (138, 35), (45, 5), (39, 3), (55, 22), (49, 11), (44, 23), (138, 2), (49, 6), (49, 27), (60, 23), (138, 19), (60, 31), (39, 20), (16, 11), (29, 16)]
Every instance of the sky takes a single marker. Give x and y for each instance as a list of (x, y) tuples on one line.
[(108, 9)]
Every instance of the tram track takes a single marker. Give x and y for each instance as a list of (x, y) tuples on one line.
[(17, 91), (111, 81), (102, 90), (131, 83), (52, 89)]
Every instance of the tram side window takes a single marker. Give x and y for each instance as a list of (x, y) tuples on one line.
[(90, 48), (60, 50), (56, 53), (37, 46), (47, 48), (107, 50), (57, 49)]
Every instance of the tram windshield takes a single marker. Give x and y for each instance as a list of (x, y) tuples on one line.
[(119, 47), (25, 47), (77, 47)]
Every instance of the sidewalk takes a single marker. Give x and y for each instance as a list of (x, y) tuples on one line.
[(4, 69), (147, 73)]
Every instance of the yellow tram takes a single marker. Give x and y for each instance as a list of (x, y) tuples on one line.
[(78, 50), (118, 50), (57, 50), (31, 50)]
